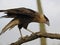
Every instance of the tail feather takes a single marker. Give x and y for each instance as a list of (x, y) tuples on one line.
[(2, 10), (10, 25), (4, 16)]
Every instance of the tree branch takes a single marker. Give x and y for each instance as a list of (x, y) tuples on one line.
[(35, 36)]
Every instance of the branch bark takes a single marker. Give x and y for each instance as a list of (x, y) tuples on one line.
[(35, 36)]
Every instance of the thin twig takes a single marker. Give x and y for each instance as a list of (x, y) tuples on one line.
[(35, 36)]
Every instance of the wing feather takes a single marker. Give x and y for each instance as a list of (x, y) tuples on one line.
[(20, 11)]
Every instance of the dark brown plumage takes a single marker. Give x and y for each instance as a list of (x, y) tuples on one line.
[(22, 17)]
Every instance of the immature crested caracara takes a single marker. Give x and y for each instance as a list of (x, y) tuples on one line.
[(22, 17)]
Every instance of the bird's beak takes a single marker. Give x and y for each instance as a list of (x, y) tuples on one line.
[(47, 22)]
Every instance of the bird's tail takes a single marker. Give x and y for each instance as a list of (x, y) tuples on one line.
[(2, 10), (5, 16), (10, 25)]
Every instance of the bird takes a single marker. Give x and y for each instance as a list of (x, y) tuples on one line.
[(22, 17)]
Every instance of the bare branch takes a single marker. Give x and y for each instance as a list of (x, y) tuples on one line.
[(35, 36)]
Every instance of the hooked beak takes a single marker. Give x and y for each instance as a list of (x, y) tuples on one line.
[(47, 22)]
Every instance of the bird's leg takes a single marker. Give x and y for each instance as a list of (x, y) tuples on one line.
[(30, 31), (21, 34)]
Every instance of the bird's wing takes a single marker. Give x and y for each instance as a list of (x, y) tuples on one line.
[(5, 16), (10, 25), (20, 11)]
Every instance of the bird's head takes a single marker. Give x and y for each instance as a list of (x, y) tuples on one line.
[(40, 18), (44, 19)]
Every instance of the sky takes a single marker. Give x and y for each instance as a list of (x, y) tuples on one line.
[(51, 8)]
